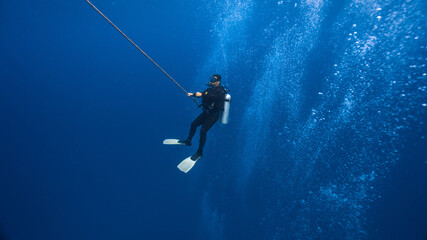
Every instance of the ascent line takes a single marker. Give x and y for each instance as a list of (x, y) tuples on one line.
[(96, 9)]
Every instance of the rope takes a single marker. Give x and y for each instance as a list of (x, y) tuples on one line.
[(157, 65)]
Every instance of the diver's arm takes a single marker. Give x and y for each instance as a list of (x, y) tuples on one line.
[(197, 94)]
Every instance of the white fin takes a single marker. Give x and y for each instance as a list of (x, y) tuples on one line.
[(187, 164), (172, 142)]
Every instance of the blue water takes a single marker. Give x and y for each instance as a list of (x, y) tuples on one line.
[(327, 133)]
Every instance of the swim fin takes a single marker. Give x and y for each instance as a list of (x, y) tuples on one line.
[(172, 142), (176, 142), (187, 164)]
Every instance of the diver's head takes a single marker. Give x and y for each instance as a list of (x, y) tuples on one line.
[(215, 80)]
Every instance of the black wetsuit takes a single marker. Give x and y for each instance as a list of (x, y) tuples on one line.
[(213, 103)]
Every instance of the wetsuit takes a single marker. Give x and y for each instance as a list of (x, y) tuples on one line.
[(213, 104)]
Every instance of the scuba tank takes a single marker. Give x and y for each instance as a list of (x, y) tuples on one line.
[(226, 112)]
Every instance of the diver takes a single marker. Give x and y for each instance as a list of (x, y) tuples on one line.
[(212, 103)]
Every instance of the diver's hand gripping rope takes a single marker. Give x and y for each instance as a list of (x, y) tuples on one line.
[(96, 9)]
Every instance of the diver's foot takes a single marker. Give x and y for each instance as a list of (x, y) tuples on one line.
[(196, 156), (185, 142)]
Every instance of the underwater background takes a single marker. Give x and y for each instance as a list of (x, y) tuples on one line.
[(327, 132)]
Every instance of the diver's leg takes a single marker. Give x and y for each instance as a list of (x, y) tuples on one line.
[(207, 124), (197, 122)]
